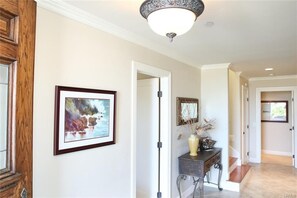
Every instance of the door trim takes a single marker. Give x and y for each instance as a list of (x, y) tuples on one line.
[(165, 80), (244, 122), (19, 45), (293, 90)]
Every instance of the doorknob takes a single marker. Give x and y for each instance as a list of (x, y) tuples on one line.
[(24, 193)]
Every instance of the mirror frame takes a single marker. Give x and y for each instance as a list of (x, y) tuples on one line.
[(179, 102), (274, 120)]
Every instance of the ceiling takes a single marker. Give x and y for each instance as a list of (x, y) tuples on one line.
[(251, 35)]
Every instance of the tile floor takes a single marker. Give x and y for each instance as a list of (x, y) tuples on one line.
[(265, 181)]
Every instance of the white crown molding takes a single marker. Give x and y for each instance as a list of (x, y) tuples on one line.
[(79, 15), (215, 66), (274, 78), (238, 73)]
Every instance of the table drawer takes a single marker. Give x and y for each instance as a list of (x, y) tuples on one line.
[(199, 165), (214, 160), (188, 167)]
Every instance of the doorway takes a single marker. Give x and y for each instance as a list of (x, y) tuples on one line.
[(276, 121), (292, 109), (147, 135), (164, 180)]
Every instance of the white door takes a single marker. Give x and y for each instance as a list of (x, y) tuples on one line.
[(244, 127), (292, 129), (147, 138)]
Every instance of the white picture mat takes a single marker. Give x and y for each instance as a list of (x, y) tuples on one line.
[(72, 94)]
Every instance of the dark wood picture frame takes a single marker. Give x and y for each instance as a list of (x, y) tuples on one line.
[(84, 119), (187, 110), (270, 109)]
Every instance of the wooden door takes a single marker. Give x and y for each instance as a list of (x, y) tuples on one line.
[(17, 44)]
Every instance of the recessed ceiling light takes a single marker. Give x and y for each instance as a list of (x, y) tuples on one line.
[(209, 24), (269, 69), (271, 74)]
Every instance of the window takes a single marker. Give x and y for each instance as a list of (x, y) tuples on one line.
[(7, 119), (3, 117)]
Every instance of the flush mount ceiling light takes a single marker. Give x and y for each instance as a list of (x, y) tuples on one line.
[(171, 17), (268, 69)]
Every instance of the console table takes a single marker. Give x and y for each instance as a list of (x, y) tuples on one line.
[(199, 166)]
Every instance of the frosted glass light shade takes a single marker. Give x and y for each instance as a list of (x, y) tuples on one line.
[(171, 20)]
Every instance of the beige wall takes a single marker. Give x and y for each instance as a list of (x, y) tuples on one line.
[(215, 105), (234, 114), (69, 53)]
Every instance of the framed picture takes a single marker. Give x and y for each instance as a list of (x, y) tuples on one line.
[(84, 119), (274, 111), (186, 110)]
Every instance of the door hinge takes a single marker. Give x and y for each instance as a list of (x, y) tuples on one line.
[(159, 145), (247, 99), (159, 94), (159, 194), (248, 153), (243, 133), (292, 99), (293, 156), (247, 126)]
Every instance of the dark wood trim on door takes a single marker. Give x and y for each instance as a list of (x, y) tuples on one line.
[(17, 44)]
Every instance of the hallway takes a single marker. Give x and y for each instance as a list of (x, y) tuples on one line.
[(265, 181)]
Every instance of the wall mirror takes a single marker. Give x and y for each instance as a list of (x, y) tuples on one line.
[(274, 111), (186, 110)]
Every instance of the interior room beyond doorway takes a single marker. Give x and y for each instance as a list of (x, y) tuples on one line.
[(277, 139)]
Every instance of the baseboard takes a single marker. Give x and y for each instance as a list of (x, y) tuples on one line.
[(277, 153), (231, 186), (226, 185), (254, 160)]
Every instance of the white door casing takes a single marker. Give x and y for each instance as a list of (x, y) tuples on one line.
[(293, 131), (245, 123), (165, 83), (293, 90)]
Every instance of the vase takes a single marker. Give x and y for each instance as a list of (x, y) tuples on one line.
[(193, 142)]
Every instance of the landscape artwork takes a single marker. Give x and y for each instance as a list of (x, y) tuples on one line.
[(86, 118)]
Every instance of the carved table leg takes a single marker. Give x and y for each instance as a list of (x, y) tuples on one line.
[(207, 176), (179, 178), (195, 187), (220, 167), (201, 187)]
